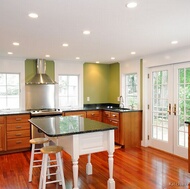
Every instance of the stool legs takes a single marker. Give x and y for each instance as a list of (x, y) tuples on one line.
[(43, 174), (35, 151), (31, 162)]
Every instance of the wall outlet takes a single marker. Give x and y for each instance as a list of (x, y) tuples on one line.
[(88, 98)]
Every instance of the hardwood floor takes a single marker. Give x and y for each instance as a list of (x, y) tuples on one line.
[(136, 168)]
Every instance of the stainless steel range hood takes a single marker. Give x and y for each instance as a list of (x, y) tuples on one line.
[(41, 78)]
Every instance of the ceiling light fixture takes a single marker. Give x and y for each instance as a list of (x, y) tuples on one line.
[(131, 5), (174, 42), (10, 53), (86, 32), (47, 55), (113, 58), (97, 62), (65, 45), (133, 52), (15, 43), (33, 15), (77, 58)]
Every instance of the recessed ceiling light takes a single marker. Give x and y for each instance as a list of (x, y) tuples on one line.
[(113, 58), (86, 32), (10, 53), (47, 55), (15, 43), (133, 52), (97, 62), (174, 42), (33, 15), (77, 58), (65, 44), (131, 5)]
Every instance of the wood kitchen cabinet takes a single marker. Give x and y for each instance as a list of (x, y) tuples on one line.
[(18, 132), (129, 132), (94, 115), (2, 133), (131, 128), (112, 118), (78, 113)]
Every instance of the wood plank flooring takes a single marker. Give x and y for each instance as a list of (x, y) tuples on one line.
[(135, 168)]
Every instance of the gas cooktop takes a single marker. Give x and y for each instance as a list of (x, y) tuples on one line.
[(46, 112)]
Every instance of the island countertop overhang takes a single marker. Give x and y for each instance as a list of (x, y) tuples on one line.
[(54, 126)]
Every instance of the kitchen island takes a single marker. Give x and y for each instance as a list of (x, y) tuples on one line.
[(80, 136)]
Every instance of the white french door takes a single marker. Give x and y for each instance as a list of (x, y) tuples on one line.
[(169, 108)]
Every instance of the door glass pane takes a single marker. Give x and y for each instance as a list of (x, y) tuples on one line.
[(160, 105), (183, 105)]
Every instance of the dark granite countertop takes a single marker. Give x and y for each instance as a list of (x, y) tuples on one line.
[(68, 125), (114, 109), (13, 112)]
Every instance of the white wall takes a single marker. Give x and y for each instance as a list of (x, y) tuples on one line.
[(76, 68), (129, 67), (132, 66), (15, 66)]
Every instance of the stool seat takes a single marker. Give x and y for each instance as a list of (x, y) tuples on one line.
[(51, 149), (39, 140)]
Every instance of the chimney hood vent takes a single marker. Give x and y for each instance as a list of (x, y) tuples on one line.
[(41, 78)]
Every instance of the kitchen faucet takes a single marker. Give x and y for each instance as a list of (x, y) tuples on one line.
[(121, 105)]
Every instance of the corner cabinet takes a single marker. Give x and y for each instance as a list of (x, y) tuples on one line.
[(2, 133)]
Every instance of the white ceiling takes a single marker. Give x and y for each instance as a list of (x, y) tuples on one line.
[(115, 30)]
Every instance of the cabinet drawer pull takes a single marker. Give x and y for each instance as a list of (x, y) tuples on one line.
[(114, 121), (18, 119), (18, 126), (18, 142), (18, 134)]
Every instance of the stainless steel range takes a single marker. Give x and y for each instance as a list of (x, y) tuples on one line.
[(36, 133), (46, 112)]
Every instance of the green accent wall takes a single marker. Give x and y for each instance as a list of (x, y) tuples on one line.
[(31, 69), (114, 83), (101, 83)]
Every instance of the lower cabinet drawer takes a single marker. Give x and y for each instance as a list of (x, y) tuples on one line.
[(18, 134), (18, 143), (18, 126)]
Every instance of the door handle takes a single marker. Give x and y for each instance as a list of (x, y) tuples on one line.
[(174, 109), (169, 109)]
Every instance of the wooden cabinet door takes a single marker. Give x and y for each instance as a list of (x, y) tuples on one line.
[(94, 115), (78, 113), (2, 134), (112, 118)]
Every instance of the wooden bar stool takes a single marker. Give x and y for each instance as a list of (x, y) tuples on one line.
[(47, 150), (35, 150)]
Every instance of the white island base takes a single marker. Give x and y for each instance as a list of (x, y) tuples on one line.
[(88, 143)]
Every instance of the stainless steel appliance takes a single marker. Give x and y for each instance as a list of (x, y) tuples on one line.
[(40, 96), (36, 133)]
